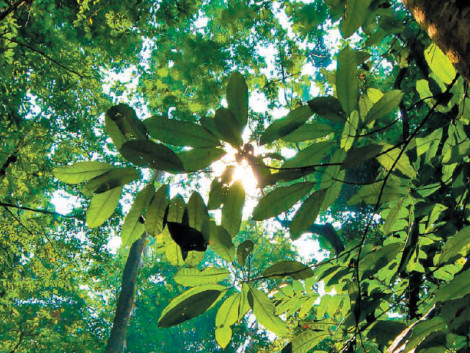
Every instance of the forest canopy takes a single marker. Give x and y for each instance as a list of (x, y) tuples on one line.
[(234, 175)]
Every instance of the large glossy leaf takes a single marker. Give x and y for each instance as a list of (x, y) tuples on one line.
[(102, 207), (263, 309), (347, 87), (197, 211), (81, 171), (145, 153), (387, 104), (458, 244), (232, 210), (111, 179), (156, 212), (244, 249), (227, 315), (285, 268), (355, 15), (237, 98), (180, 133), (307, 214), (328, 108), (280, 200), (191, 277), (199, 158), (311, 155), (308, 132), (439, 63), (133, 227), (190, 304), (220, 240), (122, 124), (227, 125), (284, 126)]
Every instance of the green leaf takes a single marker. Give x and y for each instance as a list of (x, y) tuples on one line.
[(133, 228), (387, 104), (307, 340), (237, 98), (197, 211), (307, 214), (356, 13), (111, 179), (439, 63), (294, 269), (284, 126), (217, 194), (190, 304), (192, 277), (328, 108), (180, 133), (308, 132), (357, 156), (227, 315), (219, 240), (232, 211), (81, 171), (199, 158), (227, 126), (457, 288), (457, 244), (244, 249), (311, 155), (403, 165), (280, 200), (392, 217), (422, 330), (377, 259), (156, 211), (349, 131), (347, 86), (102, 207), (149, 154), (263, 309), (384, 332), (122, 124)]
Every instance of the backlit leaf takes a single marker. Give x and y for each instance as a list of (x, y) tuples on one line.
[(306, 214), (227, 125), (387, 104), (237, 98), (191, 277), (81, 171), (156, 211), (328, 108), (439, 63), (197, 211), (199, 158), (347, 87), (355, 15), (263, 309), (227, 315), (285, 268), (243, 250), (311, 155), (308, 132), (102, 207), (111, 179), (457, 244), (232, 210)]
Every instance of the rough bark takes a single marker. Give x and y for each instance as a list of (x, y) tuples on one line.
[(447, 24), (126, 298)]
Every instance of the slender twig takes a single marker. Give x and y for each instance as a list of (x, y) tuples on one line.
[(52, 213)]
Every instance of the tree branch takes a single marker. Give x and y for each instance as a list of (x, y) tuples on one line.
[(38, 210)]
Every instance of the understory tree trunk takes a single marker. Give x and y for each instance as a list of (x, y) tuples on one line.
[(126, 298), (447, 24)]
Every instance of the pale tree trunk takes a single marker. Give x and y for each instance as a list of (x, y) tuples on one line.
[(125, 302), (448, 25)]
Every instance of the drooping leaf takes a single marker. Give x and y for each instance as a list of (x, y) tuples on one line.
[(387, 104), (457, 244), (81, 171), (102, 207), (156, 211), (349, 131), (439, 63), (355, 15), (282, 127), (309, 131), (328, 108), (264, 309), (280, 200), (197, 211), (122, 125), (180, 133), (237, 98), (219, 240), (403, 165), (243, 250), (285, 268), (133, 227), (199, 158), (227, 125), (347, 87), (111, 179), (190, 304), (311, 155), (232, 210), (307, 214), (227, 315), (145, 153), (191, 277)]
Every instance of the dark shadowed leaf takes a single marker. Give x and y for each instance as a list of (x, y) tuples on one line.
[(227, 126), (243, 250), (294, 269), (109, 180), (237, 98), (156, 212), (347, 87), (328, 108), (199, 158), (307, 214)]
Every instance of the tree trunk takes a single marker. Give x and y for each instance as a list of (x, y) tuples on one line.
[(126, 298), (447, 24)]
